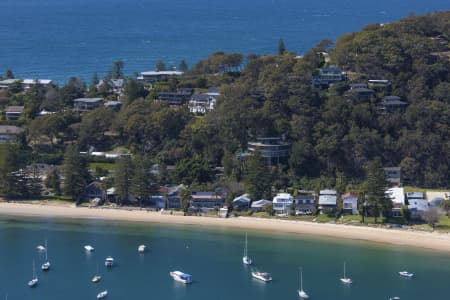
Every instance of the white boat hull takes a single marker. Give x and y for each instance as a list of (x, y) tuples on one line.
[(247, 260), (346, 280), (303, 294), (266, 277), (33, 282)]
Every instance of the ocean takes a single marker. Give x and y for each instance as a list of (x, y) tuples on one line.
[(212, 256), (57, 39)]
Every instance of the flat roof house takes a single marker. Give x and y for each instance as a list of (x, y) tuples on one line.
[(13, 112), (273, 149), (178, 97), (305, 202), (87, 104), (282, 203), (326, 76), (393, 175), (416, 203), (155, 76), (392, 104), (206, 200), (8, 133), (327, 198), (202, 103)]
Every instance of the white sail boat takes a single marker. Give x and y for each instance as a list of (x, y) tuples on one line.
[(33, 282), (46, 266), (245, 259), (96, 277), (345, 279), (301, 292)]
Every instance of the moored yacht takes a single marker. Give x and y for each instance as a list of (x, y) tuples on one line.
[(102, 295), (264, 276), (141, 248), (34, 281), (88, 248), (301, 292), (406, 274), (46, 266), (109, 261), (246, 259), (181, 277), (345, 279)]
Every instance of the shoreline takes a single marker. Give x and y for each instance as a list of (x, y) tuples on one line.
[(422, 240)]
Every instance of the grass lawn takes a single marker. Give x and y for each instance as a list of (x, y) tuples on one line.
[(418, 189), (444, 224), (104, 166)]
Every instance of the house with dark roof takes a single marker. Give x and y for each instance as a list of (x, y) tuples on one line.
[(305, 202), (178, 97), (273, 149), (13, 112), (353, 86), (205, 201), (87, 104), (8, 133), (360, 94), (392, 104)]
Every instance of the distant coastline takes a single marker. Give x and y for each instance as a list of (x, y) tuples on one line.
[(423, 240)]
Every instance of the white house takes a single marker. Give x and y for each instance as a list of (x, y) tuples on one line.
[(397, 196), (282, 203), (416, 203), (350, 203), (327, 198)]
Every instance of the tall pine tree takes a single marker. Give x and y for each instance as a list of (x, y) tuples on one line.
[(375, 187), (76, 174)]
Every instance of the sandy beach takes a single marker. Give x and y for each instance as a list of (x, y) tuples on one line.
[(407, 238)]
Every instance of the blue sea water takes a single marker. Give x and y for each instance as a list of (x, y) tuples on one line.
[(212, 256), (57, 39)]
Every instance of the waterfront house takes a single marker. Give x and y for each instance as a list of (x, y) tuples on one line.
[(94, 190), (392, 104), (305, 203), (9, 132), (241, 203), (350, 204), (417, 204), (13, 112), (397, 196), (156, 76), (86, 104), (206, 201), (273, 149), (223, 212), (327, 199), (259, 205), (282, 203)]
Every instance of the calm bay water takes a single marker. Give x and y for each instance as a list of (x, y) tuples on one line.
[(57, 39), (214, 259)]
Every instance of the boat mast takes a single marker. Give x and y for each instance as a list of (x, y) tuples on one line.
[(301, 279), (344, 271)]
